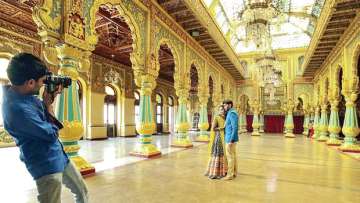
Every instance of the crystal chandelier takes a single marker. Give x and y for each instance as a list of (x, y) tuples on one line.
[(257, 17), (270, 69), (112, 77)]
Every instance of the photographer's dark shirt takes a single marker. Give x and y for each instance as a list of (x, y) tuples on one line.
[(26, 121)]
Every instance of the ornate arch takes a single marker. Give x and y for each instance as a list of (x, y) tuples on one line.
[(199, 70), (168, 42), (214, 79), (133, 17)]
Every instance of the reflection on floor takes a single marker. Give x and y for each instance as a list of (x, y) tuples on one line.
[(271, 169)]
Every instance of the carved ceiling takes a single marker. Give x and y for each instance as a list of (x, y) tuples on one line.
[(167, 65), (18, 12), (184, 17), (340, 18), (115, 40)]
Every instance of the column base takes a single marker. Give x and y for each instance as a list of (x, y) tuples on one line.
[(182, 141), (146, 151), (243, 131), (261, 131), (182, 145), (315, 136), (202, 138), (322, 138), (82, 165), (354, 148), (255, 133), (333, 142), (289, 135)]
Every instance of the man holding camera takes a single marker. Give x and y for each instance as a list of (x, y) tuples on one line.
[(32, 124)]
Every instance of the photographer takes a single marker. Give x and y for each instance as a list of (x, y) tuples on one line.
[(32, 124)]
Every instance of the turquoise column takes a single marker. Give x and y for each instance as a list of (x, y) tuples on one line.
[(68, 108), (203, 120), (323, 126), (316, 123), (306, 123), (242, 124), (351, 126), (145, 125), (261, 121), (182, 124), (255, 123), (289, 120), (334, 124)]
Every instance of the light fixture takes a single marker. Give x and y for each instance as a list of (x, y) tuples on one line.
[(195, 33)]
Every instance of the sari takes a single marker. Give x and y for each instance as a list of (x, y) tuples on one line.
[(217, 164)]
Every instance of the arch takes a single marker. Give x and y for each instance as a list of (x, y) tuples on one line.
[(199, 70), (213, 77), (137, 56), (174, 51), (118, 94), (84, 104)]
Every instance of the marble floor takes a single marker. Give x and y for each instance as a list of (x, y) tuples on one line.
[(271, 169)]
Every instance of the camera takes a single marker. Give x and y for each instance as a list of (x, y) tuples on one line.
[(53, 81)]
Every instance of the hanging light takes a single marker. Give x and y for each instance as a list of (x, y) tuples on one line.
[(257, 17)]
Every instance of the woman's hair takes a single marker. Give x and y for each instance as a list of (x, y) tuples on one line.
[(23, 67), (222, 107)]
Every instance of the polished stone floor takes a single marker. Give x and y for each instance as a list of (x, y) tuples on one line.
[(271, 169)]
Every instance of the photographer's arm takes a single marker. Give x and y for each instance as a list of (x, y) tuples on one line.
[(31, 125), (48, 99)]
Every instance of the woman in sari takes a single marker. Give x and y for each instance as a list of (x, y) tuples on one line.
[(217, 165)]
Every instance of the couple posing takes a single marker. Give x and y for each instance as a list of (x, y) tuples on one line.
[(222, 162)]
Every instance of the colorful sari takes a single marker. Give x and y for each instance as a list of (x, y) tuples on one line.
[(217, 165)]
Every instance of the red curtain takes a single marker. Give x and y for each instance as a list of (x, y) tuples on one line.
[(298, 124), (274, 123), (249, 119)]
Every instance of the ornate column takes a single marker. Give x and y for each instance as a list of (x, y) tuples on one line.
[(334, 123), (289, 122), (350, 127), (68, 108), (203, 120), (255, 123), (182, 124), (242, 125), (323, 125), (316, 123), (146, 125), (261, 121), (306, 122)]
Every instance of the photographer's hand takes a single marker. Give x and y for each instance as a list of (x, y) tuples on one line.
[(48, 99)]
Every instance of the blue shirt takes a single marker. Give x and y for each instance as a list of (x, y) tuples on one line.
[(231, 126), (26, 121)]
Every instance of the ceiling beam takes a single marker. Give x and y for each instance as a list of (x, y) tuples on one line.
[(177, 10)]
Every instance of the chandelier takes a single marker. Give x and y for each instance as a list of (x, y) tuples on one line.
[(270, 69), (257, 17), (112, 77)]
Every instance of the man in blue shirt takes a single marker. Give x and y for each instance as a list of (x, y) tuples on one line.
[(31, 122), (231, 138)]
